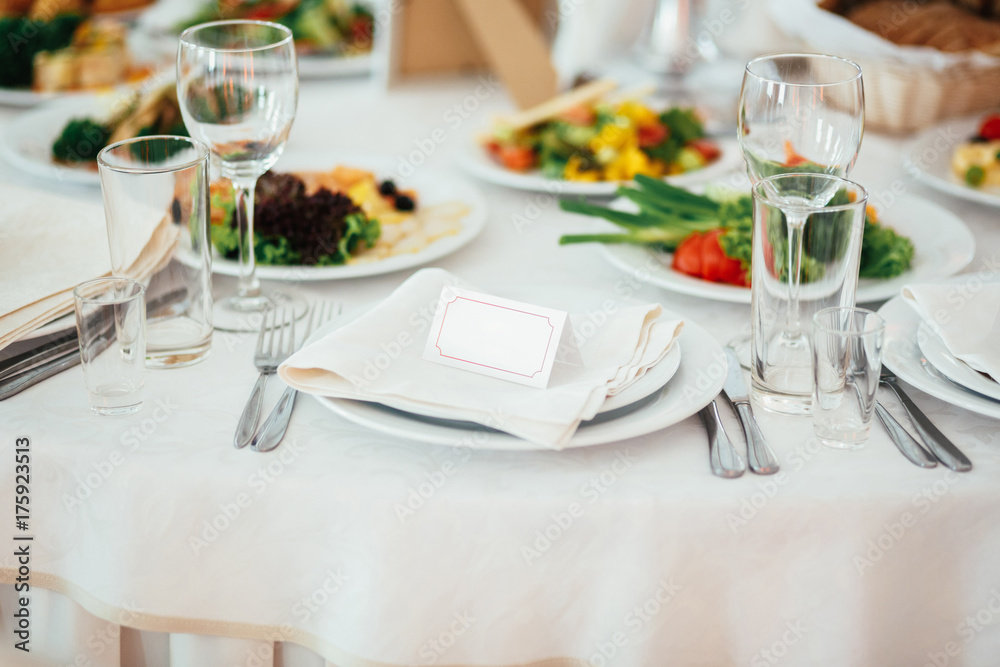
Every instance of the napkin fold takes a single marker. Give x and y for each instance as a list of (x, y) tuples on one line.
[(378, 358), (967, 320), (50, 244)]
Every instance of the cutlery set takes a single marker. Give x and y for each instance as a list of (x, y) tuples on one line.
[(275, 343), (932, 447)]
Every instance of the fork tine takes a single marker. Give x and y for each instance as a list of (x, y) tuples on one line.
[(262, 333), (288, 349)]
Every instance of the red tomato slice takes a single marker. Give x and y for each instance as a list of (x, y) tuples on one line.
[(517, 158), (708, 149), (653, 134), (990, 129), (687, 256)]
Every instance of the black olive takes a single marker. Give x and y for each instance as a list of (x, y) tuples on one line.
[(404, 203), (978, 140), (387, 188)]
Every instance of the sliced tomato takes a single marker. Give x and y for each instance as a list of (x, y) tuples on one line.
[(990, 129), (701, 255), (708, 149), (361, 31), (493, 147), (579, 115), (687, 256), (653, 134), (517, 158)]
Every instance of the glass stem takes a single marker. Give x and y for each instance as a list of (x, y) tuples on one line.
[(249, 286), (796, 222)]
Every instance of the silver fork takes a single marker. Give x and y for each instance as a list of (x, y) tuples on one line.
[(273, 430), (272, 349)]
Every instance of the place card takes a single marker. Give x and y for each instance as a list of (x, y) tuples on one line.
[(493, 336)]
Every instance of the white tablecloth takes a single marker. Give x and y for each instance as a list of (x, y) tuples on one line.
[(371, 550)]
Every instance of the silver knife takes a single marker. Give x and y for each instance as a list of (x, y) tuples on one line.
[(904, 442), (760, 457), (939, 444), (722, 456)]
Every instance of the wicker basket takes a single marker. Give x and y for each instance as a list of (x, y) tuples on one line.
[(904, 98)]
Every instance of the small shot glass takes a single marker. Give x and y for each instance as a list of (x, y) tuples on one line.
[(111, 325), (847, 362)]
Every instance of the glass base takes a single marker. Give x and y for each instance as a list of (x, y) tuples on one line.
[(781, 403), (246, 315), (177, 358), (840, 444)]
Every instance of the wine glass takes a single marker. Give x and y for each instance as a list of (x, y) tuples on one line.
[(238, 87), (799, 112)]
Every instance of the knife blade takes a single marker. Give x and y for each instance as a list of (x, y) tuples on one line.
[(759, 456)]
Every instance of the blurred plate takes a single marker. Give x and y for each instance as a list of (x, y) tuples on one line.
[(432, 187), (929, 159), (901, 355), (477, 161), (956, 370)]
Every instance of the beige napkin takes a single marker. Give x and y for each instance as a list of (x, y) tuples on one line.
[(967, 320), (50, 244), (377, 358)]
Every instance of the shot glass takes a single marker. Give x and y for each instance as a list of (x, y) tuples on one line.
[(847, 361), (111, 325)]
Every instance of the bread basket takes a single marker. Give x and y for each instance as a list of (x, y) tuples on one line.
[(906, 87)]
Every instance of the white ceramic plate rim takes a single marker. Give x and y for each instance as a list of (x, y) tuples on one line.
[(936, 170), (689, 390), (901, 355), (937, 353), (947, 249), (474, 159), (431, 186)]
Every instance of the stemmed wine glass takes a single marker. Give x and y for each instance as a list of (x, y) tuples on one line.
[(800, 112), (238, 87)]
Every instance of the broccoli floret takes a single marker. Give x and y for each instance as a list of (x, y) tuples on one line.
[(81, 140), (24, 37)]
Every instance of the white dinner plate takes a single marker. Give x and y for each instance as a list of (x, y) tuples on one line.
[(27, 142), (901, 355), (475, 159), (943, 246), (937, 353), (693, 385), (432, 188), (929, 159)]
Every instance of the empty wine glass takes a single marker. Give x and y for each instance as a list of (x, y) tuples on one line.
[(238, 86), (799, 112)]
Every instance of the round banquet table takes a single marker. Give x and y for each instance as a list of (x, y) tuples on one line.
[(157, 543)]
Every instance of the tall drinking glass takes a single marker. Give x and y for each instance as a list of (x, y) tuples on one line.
[(800, 113), (829, 244), (156, 205), (238, 85)]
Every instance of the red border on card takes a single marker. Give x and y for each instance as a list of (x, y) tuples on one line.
[(473, 363)]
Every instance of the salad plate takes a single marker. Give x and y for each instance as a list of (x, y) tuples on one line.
[(27, 141), (943, 246), (901, 354), (431, 187), (929, 159), (477, 161), (956, 370), (672, 391)]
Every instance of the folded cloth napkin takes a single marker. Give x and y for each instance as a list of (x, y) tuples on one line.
[(377, 357), (49, 245), (967, 320)]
